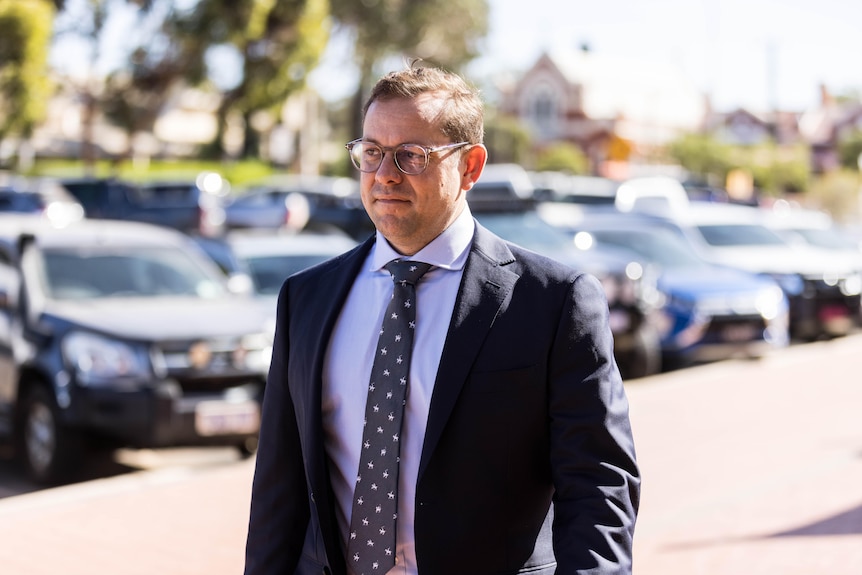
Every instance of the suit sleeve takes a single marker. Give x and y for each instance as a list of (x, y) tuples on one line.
[(596, 478), (279, 505)]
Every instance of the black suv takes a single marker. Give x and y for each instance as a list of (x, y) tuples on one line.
[(193, 207), (121, 334)]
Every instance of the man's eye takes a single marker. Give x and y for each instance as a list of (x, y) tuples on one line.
[(371, 152), (409, 156)]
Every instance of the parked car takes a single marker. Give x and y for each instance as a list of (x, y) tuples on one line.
[(39, 196), (823, 287), (269, 259), (708, 312), (296, 202), (812, 228), (121, 334), (190, 206), (576, 189), (512, 215)]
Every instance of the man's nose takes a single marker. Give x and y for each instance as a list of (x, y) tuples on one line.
[(387, 171)]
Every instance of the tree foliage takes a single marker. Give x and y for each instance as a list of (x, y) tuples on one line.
[(444, 33), (25, 35), (703, 156), (278, 42), (563, 157), (850, 150)]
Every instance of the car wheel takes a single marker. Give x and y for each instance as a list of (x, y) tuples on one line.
[(48, 449), (643, 358), (248, 447)]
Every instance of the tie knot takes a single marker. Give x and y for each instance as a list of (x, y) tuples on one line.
[(406, 270)]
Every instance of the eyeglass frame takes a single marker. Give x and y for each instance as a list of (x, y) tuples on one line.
[(383, 149)]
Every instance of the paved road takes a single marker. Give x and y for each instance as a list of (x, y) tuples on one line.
[(750, 468)]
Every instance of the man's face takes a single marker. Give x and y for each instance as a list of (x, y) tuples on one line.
[(410, 211)]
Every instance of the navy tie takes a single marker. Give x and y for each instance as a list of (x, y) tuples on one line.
[(371, 543)]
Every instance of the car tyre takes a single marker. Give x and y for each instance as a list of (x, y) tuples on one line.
[(247, 448), (644, 358), (48, 449)]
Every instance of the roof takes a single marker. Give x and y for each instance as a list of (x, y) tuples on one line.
[(94, 232), (262, 245)]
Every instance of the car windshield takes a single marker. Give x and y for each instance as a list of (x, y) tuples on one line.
[(825, 238), (526, 229), (739, 235), (657, 246), (269, 272), (132, 272), (12, 201)]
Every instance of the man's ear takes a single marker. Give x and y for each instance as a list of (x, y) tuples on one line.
[(473, 162)]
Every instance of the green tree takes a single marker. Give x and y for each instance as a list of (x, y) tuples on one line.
[(563, 157), (507, 140), (702, 156), (25, 35), (89, 21), (277, 42), (850, 149), (445, 33)]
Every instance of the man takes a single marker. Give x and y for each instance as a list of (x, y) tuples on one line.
[(515, 449)]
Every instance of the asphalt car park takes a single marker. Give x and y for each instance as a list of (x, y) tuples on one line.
[(121, 334)]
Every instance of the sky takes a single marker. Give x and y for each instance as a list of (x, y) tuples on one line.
[(758, 54)]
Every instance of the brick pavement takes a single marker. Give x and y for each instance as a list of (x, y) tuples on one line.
[(753, 468), (749, 469)]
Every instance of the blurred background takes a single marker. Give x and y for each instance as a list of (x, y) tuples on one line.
[(702, 158), (758, 97)]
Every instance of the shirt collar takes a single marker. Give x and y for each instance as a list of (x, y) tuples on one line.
[(447, 251)]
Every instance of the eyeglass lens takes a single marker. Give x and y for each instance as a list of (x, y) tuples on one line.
[(409, 158)]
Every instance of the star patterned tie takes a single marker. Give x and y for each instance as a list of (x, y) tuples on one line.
[(371, 543)]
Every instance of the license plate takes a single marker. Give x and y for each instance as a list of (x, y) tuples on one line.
[(223, 418), (739, 332)]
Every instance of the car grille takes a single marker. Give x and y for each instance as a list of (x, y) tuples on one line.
[(207, 365)]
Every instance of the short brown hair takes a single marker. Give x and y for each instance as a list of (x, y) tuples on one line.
[(463, 116)]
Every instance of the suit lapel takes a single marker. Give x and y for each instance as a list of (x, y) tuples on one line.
[(485, 286)]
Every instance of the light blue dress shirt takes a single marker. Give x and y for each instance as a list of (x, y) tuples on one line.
[(348, 363)]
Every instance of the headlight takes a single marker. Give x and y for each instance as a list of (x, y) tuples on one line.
[(101, 360), (254, 352), (771, 303), (852, 285)]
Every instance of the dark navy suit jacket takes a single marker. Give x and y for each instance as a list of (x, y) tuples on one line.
[(528, 464)]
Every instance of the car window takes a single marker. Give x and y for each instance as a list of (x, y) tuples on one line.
[(739, 235), (261, 200), (524, 228), (135, 272), (22, 202), (825, 238), (165, 195), (269, 272), (656, 246)]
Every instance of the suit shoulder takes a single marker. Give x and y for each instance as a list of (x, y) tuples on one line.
[(541, 265)]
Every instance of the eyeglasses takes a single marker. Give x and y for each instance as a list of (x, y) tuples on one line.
[(411, 159)]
